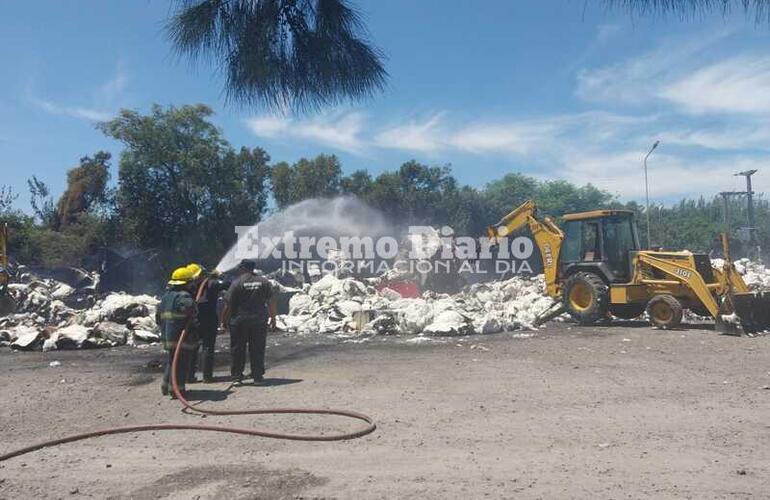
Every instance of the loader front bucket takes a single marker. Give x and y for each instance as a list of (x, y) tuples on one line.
[(753, 310)]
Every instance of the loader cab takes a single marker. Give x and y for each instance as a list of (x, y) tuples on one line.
[(602, 240)]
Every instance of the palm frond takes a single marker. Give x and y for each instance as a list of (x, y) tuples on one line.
[(758, 9), (281, 54)]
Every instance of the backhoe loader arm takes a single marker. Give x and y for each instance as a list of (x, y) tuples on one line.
[(687, 276), (730, 278), (547, 235)]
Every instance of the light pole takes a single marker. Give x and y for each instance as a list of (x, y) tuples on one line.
[(647, 191)]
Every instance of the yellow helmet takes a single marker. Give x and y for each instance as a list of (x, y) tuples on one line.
[(196, 270), (181, 276)]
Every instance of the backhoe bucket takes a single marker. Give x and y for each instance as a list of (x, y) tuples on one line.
[(753, 309)]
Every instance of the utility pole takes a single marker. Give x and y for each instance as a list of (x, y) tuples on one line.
[(647, 192), (750, 208)]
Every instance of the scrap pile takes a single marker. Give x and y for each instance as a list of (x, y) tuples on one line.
[(54, 315), (756, 275), (350, 306)]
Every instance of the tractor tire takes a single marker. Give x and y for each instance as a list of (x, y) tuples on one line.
[(627, 311), (665, 311), (586, 298)]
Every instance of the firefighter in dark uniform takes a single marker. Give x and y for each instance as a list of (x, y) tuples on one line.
[(208, 320), (249, 311), (176, 312)]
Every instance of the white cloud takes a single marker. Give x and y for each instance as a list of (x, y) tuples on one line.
[(268, 126), (737, 85), (639, 79), (424, 137), (670, 175), (103, 99), (73, 111), (113, 88), (513, 138), (607, 32), (337, 130), (739, 136)]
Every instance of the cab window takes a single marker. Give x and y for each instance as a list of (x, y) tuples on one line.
[(591, 248), (619, 240), (570, 249)]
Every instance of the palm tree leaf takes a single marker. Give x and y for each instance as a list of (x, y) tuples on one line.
[(759, 9), (281, 54)]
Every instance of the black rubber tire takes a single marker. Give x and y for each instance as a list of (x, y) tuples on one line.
[(668, 304), (597, 308), (627, 311)]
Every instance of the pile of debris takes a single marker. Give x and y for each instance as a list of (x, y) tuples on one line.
[(51, 315), (756, 275), (350, 306)]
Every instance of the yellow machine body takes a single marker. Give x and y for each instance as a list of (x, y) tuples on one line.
[(591, 285)]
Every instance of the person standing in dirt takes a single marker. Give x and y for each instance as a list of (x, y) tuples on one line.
[(208, 320), (249, 310), (175, 313)]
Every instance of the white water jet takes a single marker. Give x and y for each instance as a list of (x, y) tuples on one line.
[(334, 217)]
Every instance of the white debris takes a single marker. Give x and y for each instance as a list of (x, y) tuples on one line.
[(25, 337), (54, 364), (449, 322), (53, 315), (146, 336), (119, 307), (756, 275), (419, 340), (349, 306), (71, 336)]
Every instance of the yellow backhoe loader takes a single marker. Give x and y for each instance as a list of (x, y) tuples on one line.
[(7, 304), (594, 267)]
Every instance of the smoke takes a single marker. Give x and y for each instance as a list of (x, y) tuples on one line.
[(334, 217)]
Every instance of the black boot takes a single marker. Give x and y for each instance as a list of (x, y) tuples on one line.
[(208, 366)]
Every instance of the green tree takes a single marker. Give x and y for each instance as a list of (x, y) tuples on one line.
[(415, 194), (42, 203), (509, 192), (7, 198), (316, 178), (86, 188), (181, 187), (295, 54), (359, 183)]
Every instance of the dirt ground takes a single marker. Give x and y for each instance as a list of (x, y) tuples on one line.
[(619, 411)]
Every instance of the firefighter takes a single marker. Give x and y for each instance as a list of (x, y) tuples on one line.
[(248, 313), (194, 335), (208, 320), (176, 312)]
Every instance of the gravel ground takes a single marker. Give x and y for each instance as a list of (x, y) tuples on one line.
[(619, 411)]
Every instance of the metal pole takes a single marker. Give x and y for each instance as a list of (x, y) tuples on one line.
[(750, 209), (647, 192), (752, 225)]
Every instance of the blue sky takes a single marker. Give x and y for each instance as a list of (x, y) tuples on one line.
[(557, 89)]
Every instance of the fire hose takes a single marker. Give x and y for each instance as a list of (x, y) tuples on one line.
[(370, 425)]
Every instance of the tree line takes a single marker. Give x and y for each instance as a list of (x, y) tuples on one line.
[(182, 188)]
